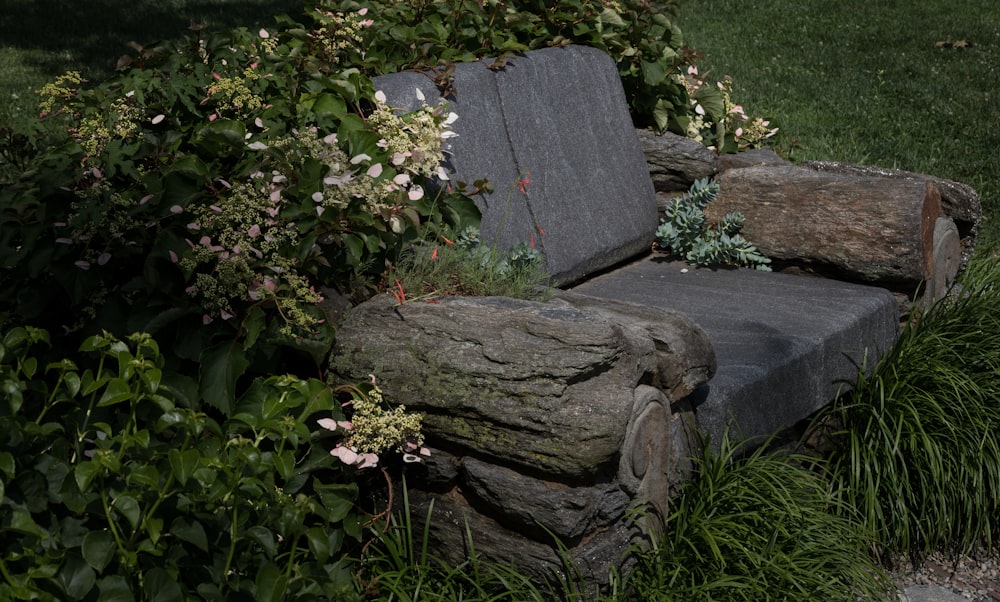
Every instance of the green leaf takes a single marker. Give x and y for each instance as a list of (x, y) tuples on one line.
[(98, 549), (284, 463), (338, 499), (84, 472), (29, 366), (355, 248), (254, 324), (22, 522), (271, 583), (114, 588), (263, 536), (183, 463), (224, 137), (610, 17), (152, 377), (143, 475), (329, 106), (7, 464), (72, 381), (221, 366), (116, 391), (190, 531), (324, 542), (93, 343), (159, 586), (190, 166), (653, 72), (76, 578), (128, 507)]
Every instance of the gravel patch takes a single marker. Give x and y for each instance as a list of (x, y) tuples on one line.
[(972, 577)]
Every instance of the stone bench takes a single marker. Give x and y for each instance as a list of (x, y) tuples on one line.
[(554, 418)]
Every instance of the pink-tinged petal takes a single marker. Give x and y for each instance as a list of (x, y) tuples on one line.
[(375, 170), (362, 11), (347, 425), (317, 197), (254, 231), (425, 452), (346, 455), (368, 461), (360, 159), (213, 117), (216, 75), (416, 193), (259, 123), (225, 315), (64, 241), (104, 258), (176, 209), (205, 240), (410, 458), (328, 423), (83, 265), (398, 158), (380, 96), (145, 199), (96, 173), (263, 34), (158, 118), (206, 319), (173, 257), (193, 226)]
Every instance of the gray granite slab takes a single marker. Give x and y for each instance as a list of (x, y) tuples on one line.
[(556, 116), (785, 345)]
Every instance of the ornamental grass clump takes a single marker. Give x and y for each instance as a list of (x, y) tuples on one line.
[(918, 455), (758, 527)]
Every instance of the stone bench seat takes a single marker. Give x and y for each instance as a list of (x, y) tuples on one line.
[(553, 418)]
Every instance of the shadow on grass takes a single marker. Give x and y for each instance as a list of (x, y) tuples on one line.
[(90, 36)]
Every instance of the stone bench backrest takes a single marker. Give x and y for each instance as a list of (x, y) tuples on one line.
[(555, 119)]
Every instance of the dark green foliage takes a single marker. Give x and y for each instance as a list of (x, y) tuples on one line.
[(114, 487)]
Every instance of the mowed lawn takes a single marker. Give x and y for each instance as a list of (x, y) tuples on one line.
[(911, 85)]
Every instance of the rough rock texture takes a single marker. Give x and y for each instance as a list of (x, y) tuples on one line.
[(959, 201), (543, 416), (675, 162)]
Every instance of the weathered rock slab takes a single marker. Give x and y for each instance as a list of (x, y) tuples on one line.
[(548, 118), (546, 386), (786, 345), (676, 162)]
